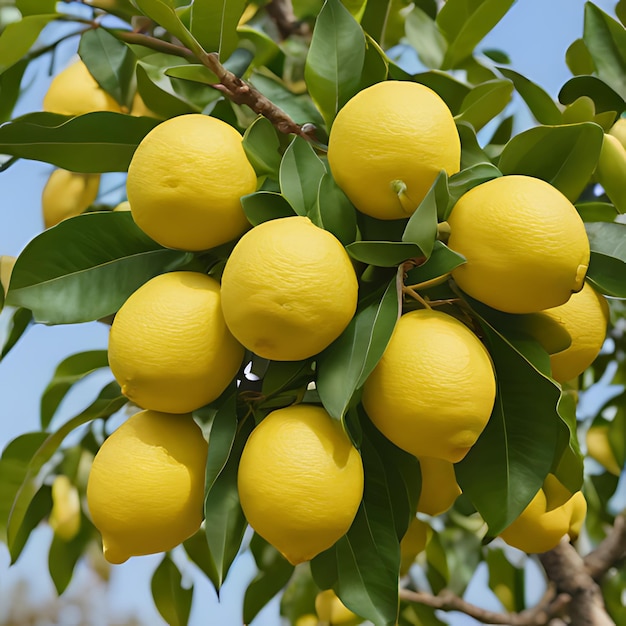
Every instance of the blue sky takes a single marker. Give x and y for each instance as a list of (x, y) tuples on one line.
[(535, 33)]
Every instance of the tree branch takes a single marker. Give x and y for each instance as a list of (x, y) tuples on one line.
[(609, 552), (281, 12)]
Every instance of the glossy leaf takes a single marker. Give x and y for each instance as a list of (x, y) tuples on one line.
[(172, 600), (96, 142), (484, 102), (607, 268), (108, 260), (471, 152), (17, 38), (300, 174), (263, 206), (262, 146), (194, 72), (69, 372), (335, 59), (467, 179), (348, 361), (541, 105), (334, 212), (383, 253), (564, 156), (374, 20), (596, 211), (422, 33), (21, 319), (604, 97), (214, 24)]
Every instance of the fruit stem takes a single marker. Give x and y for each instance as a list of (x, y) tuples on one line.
[(399, 187), (411, 292)]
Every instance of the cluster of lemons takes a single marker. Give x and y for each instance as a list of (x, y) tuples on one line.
[(287, 291)]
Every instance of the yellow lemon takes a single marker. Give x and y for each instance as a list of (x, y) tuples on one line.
[(288, 289), (145, 490), (585, 317), (388, 144), (599, 448), (413, 542), (122, 206), (169, 348), (6, 269), (74, 91), (546, 520), (185, 182), (300, 481), (332, 611), (578, 511), (439, 486), (524, 242), (434, 388), (65, 515), (67, 194)]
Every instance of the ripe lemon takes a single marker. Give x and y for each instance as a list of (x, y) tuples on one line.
[(332, 611), (145, 490), (6, 269), (599, 448), (74, 91), (439, 486), (65, 514), (185, 182), (67, 194), (547, 519), (124, 205), (434, 388), (300, 481), (413, 542), (393, 136), (585, 317), (524, 242), (288, 289), (169, 348)]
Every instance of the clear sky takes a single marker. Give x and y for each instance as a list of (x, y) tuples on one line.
[(535, 33)]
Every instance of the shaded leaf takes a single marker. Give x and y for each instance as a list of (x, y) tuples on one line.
[(263, 206), (441, 262), (607, 267), (604, 97), (64, 555), (194, 72), (334, 212), (108, 260), (471, 152), (214, 24), (262, 146), (506, 581), (171, 599), (10, 82), (467, 179), (485, 101), (383, 253), (19, 323), (578, 59)]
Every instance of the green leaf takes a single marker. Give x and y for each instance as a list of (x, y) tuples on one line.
[(607, 267), (383, 253), (467, 179), (64, 555), (68, 372), (597, 211), (101, 141), (605, 39), (197, 550), (335, 59), (506, 581), (437, 569), (262, 147), (171, 599), (451, 90), (35, 7), (17, 38), (110, 62), (374, 20), (541, 105), (485, 101), (38, 508), (564, 156), (508, 464), (604, 97), (349, 360), (10, 82), (567, 464), (214, 24), (274, 573), (422, 33), (334, 212), (464, 24), (194, 72), (578, 59), (471, 152), (441, 262), (375, 64), (262, 206), (109, 259), (19, 323), (301, 171)]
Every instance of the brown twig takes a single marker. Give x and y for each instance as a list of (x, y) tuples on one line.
[(281, 12), (609, 552)]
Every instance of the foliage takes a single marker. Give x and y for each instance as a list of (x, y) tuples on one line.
[(187, 57)]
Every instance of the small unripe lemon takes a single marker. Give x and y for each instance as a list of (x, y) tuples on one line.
[(332, 611), (439, 486), (611, 170), (433, 390), (65, 515), (300, 481), (146, 486), (169, 347), (288, 289), (67, 194), (525, 244), (599, 448)]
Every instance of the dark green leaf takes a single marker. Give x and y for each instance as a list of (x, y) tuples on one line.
[(567, 464), (348, 361), (596, 211), (564, 156), (484, 102), (64, 555), (38, 508), (451, 90), (578, 59), (194, 72), (171, 599), (422, 33), (214, 24), (197, 550), (498, 56), (96, 142), (541, 105), (68, 372), (471, 152), (20, 321), (109, 259), (301, 171), (503, 132), (10, 82), (607, 268), (335, 59), (262, 146), (334, 212), (18, 37), (441, 262), (604, 97), (281, 376), (375, 64), (383, 253), (374, 20), (464, 24), (263, 206)]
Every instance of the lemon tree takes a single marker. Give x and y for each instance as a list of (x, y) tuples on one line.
[(360, 315)]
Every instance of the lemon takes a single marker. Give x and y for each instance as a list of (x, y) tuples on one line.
[(434, 388), (618, 130), (74, 91), (413, 542), (145, 490), (611, 170), (332, 611), (288, 289), (122, 206), (439, 486), (300, 481), (388, 144), (6, 269), (578, 511), (169, 348), (599, 448), (185, 182), (65, 514), (549, 516), (524, 242), (67, 194), (585, 317)]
